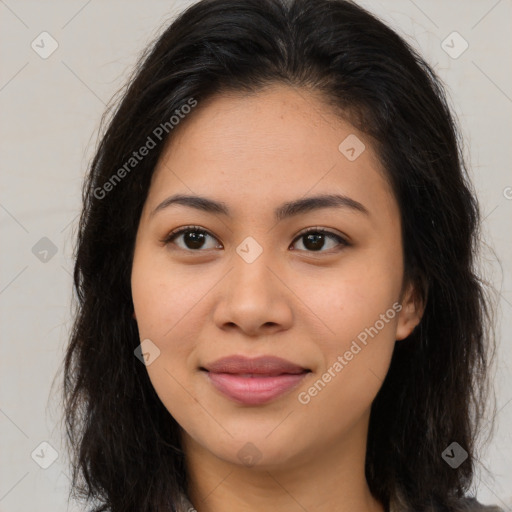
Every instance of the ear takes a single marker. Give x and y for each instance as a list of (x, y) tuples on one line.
[(413, 307)]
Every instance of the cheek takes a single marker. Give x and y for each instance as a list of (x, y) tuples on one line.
[(361, 310), (163, 299), (362, 315), (168, 306), (362, 289), (164, 294)]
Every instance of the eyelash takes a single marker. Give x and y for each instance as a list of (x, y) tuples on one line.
[(174, 234)]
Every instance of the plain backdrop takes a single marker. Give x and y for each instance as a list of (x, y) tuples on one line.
[(50, 113)]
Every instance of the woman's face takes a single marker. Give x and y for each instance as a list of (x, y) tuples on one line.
[(246, 282)]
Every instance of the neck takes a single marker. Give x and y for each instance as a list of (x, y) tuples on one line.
[(328, 481)]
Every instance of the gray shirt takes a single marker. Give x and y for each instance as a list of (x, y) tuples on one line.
[(466, 505)]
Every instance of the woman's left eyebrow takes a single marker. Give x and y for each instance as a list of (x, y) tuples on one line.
[(286, 210)]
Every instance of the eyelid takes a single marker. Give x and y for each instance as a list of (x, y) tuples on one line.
[(325, 231), (343, 240), (179, 231)]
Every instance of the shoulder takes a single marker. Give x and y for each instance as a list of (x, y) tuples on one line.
[(466, 504), (182, 504), (471, 504)]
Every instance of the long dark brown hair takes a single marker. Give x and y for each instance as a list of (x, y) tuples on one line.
[(125, 449)]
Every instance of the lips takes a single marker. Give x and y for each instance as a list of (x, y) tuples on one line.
[(263, 365), (254, 381)]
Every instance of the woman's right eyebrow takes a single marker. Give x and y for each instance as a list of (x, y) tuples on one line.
[(286, 210)]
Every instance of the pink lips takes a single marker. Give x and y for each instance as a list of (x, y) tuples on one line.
[(254, 381)]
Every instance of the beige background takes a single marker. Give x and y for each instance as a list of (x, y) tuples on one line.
[(50, 111)]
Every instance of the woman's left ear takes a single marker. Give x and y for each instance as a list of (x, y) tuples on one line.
[(410, 315)]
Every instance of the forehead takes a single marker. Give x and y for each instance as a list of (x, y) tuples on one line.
[(281, 141)]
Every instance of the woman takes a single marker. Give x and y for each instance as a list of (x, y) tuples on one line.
[(278, 308)]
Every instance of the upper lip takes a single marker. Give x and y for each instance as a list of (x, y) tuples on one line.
[(264, 365)]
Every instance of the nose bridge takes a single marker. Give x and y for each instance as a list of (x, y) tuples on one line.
[(253, 297), (251, 261)]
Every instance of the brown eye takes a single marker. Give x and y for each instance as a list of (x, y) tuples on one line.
[(315, 239), (193, 237)]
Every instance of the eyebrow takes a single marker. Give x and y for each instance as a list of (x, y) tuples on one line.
[(286, 210)]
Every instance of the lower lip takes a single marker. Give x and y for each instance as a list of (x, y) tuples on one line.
[(254, 390)]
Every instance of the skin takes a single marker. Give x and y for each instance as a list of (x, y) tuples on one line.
[(255, 152)]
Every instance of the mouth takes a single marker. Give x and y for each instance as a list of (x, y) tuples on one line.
[(262, 365), (254, 381)]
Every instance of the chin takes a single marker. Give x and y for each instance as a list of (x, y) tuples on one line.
[(256, 451)]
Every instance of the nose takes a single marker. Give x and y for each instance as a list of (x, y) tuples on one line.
[(254, 297)]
